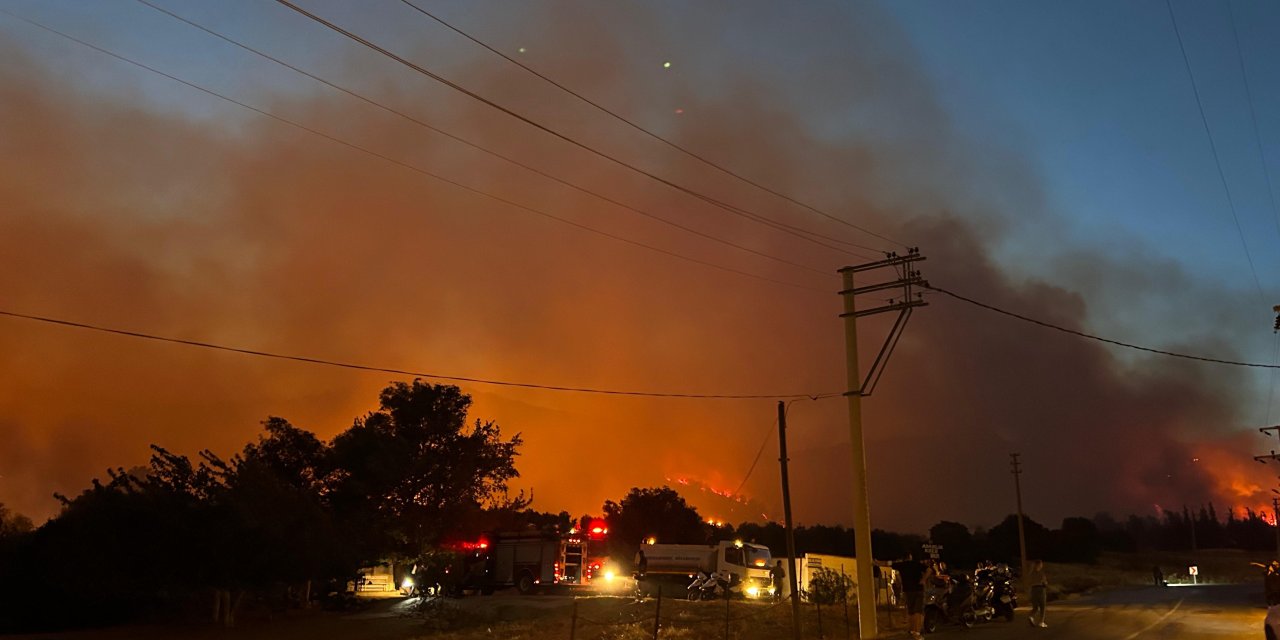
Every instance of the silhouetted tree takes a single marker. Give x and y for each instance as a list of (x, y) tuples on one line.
[(1003, 539), (660, 513), (887, 545), (1077, 541), (13, 524), (958, 547), (414, 469), (769, 534), (826, 539)]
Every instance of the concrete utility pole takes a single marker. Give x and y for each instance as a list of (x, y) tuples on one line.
[(1016, 470), (858, 388), (1275, 514), (786, 517), (1275, 502)]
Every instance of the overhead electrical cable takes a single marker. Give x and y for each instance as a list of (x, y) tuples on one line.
[(477, 146), (411, 167), (648, 132), (1266, 174), (1081, 334), (1253, 118), (793, 230), (406, 372), (1213, 147)]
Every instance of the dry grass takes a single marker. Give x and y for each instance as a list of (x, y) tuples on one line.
[(624, 619)]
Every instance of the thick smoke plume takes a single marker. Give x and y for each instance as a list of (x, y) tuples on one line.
[(117, 212)]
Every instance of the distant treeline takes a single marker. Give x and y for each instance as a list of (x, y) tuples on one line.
[(1077, 540), (290, 516)]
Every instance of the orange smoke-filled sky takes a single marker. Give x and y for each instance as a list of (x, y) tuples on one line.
[(131, 201)]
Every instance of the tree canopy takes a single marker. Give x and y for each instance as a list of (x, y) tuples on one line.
[(661, 513), (288, 507)]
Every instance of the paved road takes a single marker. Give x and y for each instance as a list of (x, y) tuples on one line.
[(1220, 612)]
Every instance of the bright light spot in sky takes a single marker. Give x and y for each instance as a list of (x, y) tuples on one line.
[(679, 111), (666, 65), (521, 49)]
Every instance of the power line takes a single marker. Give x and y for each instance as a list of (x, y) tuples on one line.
[(759, 452), (405, 372), (408, 166), (1253, 118), (768, 437), (1082, 334), (1213, 147), (648, 132), (474, 145), (794, 230)]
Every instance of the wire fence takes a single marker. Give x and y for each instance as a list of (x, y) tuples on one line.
[(666, 613), (671, 616)]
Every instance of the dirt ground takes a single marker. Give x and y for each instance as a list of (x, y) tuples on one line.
[(610, 617), (511, 616)]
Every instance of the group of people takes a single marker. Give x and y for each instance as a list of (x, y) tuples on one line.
[(917, 575)]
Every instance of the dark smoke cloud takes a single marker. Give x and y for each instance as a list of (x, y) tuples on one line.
[(267, 237)]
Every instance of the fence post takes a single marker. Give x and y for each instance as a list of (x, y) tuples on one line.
[(657, 613), (844, 599), (573, 620), (726, 616), (818, 602)]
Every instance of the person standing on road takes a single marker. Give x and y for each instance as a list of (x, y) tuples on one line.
[(1270, 581), (777, 574), (1039, 593), (912, 574)]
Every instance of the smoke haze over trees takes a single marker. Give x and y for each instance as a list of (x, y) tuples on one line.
[(133, 202)]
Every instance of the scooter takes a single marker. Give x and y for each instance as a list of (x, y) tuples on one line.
[(707, 587), (949, 604)]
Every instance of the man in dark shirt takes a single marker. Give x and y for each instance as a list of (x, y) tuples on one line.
[(912, 573)]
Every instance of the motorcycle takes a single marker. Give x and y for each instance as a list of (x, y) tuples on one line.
[(707, 587), (1002, 599), (950, 602)]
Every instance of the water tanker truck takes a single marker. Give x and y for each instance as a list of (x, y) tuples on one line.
[(743, 565)]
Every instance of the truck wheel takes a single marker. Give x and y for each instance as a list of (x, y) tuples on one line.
[(524, 584)]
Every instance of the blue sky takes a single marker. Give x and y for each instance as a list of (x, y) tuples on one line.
[(1096, 95)]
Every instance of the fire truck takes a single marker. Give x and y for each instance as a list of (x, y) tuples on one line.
[(536, 561)]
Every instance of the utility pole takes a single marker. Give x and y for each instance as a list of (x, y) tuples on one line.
[(858, 387), (1275, 502), (1275, 515), (1016, 470), (786, 517)]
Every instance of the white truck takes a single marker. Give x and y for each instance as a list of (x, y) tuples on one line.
[(743, 565)]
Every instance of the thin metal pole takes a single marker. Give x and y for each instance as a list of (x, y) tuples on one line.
[(861, 509), (657, 613), (726, 616), (786, 516), (817, 602), (1275, 511), (573, 621), (844, 599)]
